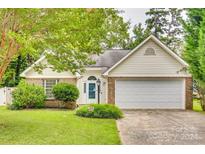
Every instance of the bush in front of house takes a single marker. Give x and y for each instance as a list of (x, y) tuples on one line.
[(27, 96), (100, 111), (68, 93)]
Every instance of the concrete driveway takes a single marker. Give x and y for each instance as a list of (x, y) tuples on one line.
[(162, 127)]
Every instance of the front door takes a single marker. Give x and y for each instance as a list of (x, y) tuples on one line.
[(91, 92)]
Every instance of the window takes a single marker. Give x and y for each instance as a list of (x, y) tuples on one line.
[(48, 85), (149, 52), (92, 78)]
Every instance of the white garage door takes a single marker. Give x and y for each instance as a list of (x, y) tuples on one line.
[(150, 94)]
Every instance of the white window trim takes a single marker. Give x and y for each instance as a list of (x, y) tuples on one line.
[(44, 86)]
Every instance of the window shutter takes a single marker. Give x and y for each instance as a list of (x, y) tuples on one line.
[(84, 86)]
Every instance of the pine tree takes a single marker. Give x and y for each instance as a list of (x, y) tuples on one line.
[(157, 21), (165, 24), (174, 31)]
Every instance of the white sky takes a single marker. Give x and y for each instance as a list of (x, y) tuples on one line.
[(137, 15), (134, 15)]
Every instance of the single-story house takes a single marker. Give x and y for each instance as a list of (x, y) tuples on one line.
[(150, 76)]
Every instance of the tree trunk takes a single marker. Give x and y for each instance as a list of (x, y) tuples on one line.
[(9, 51), (4, 66), (12, 50), (3, 39)]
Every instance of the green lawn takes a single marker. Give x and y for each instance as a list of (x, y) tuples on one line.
[(196, 105), (46, 126)]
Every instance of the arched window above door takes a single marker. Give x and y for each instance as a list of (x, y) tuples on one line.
[(92, 78)]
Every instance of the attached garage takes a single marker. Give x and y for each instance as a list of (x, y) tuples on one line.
[(155, 93), (151, 76)]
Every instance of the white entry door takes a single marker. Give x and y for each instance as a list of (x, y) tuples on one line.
[(150, 94), (91, 92)]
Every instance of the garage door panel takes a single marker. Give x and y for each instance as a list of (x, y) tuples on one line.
[(150, 99), (150, 106), (150, 94), (153, 92)]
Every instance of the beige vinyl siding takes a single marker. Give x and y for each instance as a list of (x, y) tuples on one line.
[(139, 64), (40, 81), (48, 73)]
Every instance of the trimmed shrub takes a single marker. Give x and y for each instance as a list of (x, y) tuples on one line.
[(100, 111), (27, 96), (65, 92)]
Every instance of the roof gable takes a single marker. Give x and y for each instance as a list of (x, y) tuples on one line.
[(23, 74), (158, 42), (46, 72), (105, 60)]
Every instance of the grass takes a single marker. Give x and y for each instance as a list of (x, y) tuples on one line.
[(46, 126), (196, 105)]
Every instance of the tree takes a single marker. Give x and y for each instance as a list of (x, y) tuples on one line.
[(70, 36), (201, 60), (14, 38), (140, 34), (174, 31), (166, 25), (194, 48), (18, 64), (157, 21)]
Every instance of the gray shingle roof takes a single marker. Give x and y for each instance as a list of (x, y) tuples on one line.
[(108, 58)]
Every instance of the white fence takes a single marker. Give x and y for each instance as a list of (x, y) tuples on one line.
[(5, 95)]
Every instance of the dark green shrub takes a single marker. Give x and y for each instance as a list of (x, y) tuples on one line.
[(100, 111), (27, 96), (65, 92), (13, 107)]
